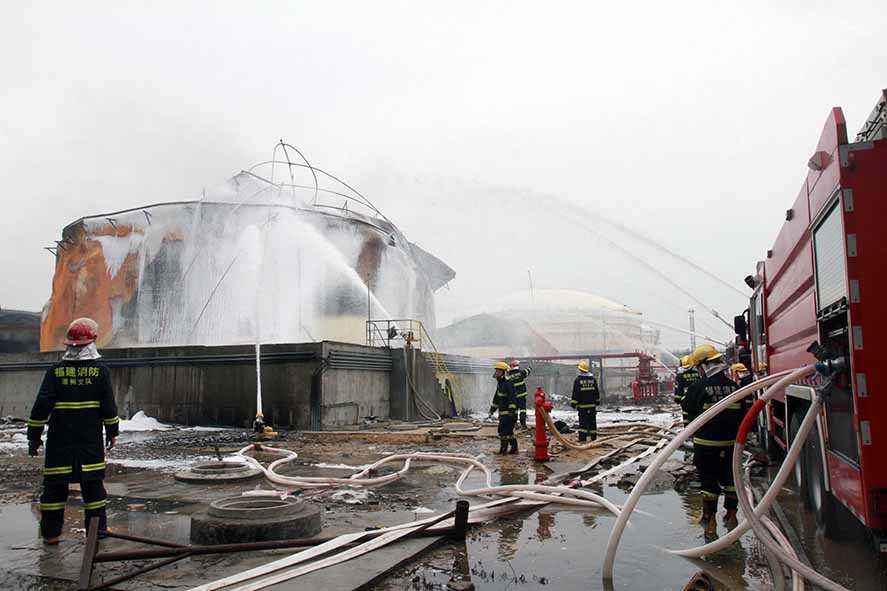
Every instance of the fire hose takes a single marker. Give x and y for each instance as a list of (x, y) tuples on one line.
[(572, 444), (558, 494), (774, 383), (534, 492), (531, 495), (782, 378), (755, 520)]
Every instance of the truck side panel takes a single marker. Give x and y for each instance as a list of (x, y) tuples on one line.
[(864, 203), (792, 333), (790, 301), (821, 184)]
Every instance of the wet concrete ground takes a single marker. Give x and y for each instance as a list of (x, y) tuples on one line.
[(847, 558), (565, 549), (545, 548)]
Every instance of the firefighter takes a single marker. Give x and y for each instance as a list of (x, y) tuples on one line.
[(505, 401), (75, 401), (585, 399), (713, 443), (518, 378), (743, 376), (686, 375)]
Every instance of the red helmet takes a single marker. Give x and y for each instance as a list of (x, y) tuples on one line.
[(514, 364), (82, 332)]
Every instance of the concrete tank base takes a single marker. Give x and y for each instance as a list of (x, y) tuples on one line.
[(255, 519)]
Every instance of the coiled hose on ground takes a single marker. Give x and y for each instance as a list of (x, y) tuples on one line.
[(535, 492)]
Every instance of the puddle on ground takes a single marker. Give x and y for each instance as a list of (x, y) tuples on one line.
[(565, 549), (850, 560)]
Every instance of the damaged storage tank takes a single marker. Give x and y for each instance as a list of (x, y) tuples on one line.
[(257, 260)]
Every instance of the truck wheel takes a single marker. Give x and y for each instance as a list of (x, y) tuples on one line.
[(799, 469), (819, 500)]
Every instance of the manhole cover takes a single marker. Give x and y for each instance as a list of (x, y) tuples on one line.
[(210, 472)]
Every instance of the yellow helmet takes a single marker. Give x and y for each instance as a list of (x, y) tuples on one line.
[(704, 352), (685, 361), (738, 367), (583, 365), (501, 365)]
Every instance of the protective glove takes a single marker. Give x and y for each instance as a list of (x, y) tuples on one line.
[(33, 446)]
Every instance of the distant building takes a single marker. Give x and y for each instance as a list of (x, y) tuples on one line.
[(19, 331), (551, 322)]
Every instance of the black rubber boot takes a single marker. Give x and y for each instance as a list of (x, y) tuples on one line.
[(523, 420), (513, 446), (582, 436), (503, 446), (730, 520), (708, 520)]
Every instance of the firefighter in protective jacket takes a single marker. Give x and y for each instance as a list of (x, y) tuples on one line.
[(586, 397), (518, 378), (505, 401), (713, 443), (75, 401), (686, 376)]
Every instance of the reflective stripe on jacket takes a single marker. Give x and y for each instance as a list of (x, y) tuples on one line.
[(75, 403)]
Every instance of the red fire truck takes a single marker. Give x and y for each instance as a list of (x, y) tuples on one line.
[(824, 281)]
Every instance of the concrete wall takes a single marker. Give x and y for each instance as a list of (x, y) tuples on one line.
[(304, 386), (349, 394), (18, 387), (187, 385), (217, 385)]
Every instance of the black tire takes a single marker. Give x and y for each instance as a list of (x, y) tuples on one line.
[(819, 500), (799, 471)]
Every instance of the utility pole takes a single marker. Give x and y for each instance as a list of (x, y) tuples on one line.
[(692, 313)]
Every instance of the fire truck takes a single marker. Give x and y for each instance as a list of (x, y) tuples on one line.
[(820, 294)]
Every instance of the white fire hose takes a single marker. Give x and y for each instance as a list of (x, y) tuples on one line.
[(287, 568), (540, 494), (775, 383), (535, 492), (757, 525), (665, 454)]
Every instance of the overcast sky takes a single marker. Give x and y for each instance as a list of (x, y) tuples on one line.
[(691, 122)]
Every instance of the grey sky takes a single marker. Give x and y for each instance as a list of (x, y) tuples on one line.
[(689, 121)]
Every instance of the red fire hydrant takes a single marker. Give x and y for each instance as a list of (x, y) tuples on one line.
[(541, 440)]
